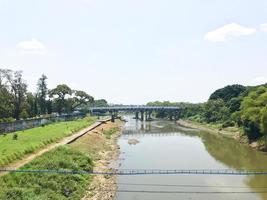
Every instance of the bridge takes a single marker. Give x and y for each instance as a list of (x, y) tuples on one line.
[(145, 111)]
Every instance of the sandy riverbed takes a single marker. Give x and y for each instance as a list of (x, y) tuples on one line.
[(104, 152)]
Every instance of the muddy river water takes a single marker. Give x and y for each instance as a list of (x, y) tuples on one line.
[(165, 145)]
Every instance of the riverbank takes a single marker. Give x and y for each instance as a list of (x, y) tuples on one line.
[(101, 145), (225, 132), (94, 150), (17, 151)]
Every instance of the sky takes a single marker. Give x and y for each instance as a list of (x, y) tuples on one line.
[(135, 51)]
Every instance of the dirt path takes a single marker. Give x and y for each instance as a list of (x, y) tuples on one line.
[(64, 141)]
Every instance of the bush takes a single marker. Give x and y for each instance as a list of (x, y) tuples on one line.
[(24, 186), (252, 130), (15, 136), (228, 124), (5, 120)]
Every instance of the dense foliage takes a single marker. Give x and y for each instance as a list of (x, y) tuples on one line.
[(228, 92), (18, 103), (233, 105)]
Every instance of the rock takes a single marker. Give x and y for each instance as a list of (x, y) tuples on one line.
[(133, 141)]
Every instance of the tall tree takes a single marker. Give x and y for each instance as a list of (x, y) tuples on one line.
[(59, 95), (18, 90), (31, 107), (252, 110), (42, 92), (101, 103), (264, 123), (228, 92), (6, 105), (215, 111), (81, 98)]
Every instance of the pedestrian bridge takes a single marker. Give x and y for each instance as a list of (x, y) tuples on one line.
[(145, 111)]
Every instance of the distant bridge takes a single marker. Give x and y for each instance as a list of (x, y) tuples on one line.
[(145, 111)]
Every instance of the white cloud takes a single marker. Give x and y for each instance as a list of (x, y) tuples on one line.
[(263, 27), (32, 46), (258, 81), (228, 31)]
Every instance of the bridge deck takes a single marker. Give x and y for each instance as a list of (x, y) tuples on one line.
[(135, 108)]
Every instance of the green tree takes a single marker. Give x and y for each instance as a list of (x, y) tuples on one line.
[(100, 103), (60, 95), (18, 90), (42, 92), (6, 105), (228, 92), (81, 98), (215, 111), (31, 106), (252, 112), (6, 98), (264, 123)]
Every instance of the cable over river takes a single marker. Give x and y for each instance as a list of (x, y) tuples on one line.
[(164, 145)]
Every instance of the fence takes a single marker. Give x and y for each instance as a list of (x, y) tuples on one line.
[(31, 123)]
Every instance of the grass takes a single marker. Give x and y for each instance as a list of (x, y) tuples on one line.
[(110, 132), (34, 139), (79, 155), (26, 186)]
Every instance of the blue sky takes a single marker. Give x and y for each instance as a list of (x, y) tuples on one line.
[(136, 51)]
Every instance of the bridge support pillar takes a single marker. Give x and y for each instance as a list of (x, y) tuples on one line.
[(136, 115), (149, 116), (113, 116), (142, 115)]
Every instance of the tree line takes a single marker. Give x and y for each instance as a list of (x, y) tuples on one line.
[(233, 105), (16, 102)]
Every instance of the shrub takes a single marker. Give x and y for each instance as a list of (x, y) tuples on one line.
[(15, 136), (24, 186), (228, 124)]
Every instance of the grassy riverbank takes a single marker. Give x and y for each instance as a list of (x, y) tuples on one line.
[(101, 145), (230, 132), (95, 150), (15, 146), (22, 186)]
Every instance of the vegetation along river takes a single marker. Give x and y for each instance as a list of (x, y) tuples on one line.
[(165, 145)]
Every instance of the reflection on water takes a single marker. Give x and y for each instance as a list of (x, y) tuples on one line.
[(165, 145), (237, 156)]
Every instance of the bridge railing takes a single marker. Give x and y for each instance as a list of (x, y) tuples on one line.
[(134, 108)]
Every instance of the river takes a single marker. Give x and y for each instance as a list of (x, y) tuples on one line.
[(165, 145)]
